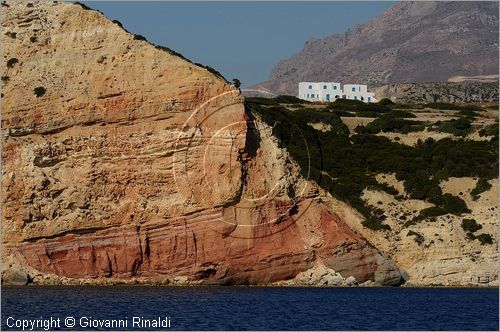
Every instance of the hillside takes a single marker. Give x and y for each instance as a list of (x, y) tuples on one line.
[(412, 42), (420, 182), (123, 162)]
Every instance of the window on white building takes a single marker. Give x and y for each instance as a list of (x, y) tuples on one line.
[(369, 99), (355, 97), (325, 87), (334, 87), (353, 89), (310, 87)]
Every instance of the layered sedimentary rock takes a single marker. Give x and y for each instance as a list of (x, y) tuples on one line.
[(125, 160)]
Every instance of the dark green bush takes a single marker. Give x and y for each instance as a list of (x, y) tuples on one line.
[(367, 114), (484, 238), (39, 91), (344, 113), (458, 127), (389, 123), (82, 5), (468, 113), (433, 211), (419, 238), (118, 23), (12, 62), (357, 106), (481, 186), (471, 225), (470, 236), (375, 224), (452, 204), (139, 37), (406, 106), (399, 114), (490, 130), (385, 102), (285, 99)]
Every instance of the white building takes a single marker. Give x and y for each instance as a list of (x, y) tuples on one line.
[(330, 91)]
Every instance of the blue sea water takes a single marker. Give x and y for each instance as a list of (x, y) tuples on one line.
[(257, 308)]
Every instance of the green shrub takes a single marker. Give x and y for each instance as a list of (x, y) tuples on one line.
[(490, 130), (285, 99), (399, 114), (12, 62), (344, 113), (357, 106), (470, 236), (458, 127), (82, 5), (406, 106), (119, 24), (433, 211), (467, 113), (453, 204), (484, 238), (419, 238), (470, 225), (39, 91), (481, 186), (428, 213), (375, 224), (388, 123), (442, 175), (385, 102), (367, 114), (139, 37)]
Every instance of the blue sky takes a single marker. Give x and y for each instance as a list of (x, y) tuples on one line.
[(242, 40)]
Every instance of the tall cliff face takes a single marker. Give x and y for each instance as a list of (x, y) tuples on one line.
[(121, 160), (412, 42)]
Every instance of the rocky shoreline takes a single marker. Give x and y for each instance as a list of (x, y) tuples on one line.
[(318, 276)]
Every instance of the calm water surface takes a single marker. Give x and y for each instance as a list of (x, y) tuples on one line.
[(256, 308)]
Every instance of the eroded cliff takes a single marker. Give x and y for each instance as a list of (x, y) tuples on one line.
[(124, 160)]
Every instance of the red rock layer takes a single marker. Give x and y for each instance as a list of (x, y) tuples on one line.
[(134, 162)]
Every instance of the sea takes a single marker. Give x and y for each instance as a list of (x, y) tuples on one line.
[(247, 308)]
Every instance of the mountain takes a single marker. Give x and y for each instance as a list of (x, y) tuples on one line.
[(412, 42), (122, 161)]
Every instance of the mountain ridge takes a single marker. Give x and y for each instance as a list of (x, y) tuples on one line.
[(408, 43)]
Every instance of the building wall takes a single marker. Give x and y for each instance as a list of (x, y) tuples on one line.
[(330, 91)]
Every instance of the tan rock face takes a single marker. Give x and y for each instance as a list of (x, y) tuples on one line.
[(123, 160)]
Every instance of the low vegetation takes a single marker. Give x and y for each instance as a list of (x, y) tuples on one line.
[(458, 127), (419, 238), (346, 165), (481, 186), (470, 225), (39, 91), (11, 62)]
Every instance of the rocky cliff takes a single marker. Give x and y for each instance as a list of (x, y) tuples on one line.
[(445, 92), (412, 42), (122, 160)]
